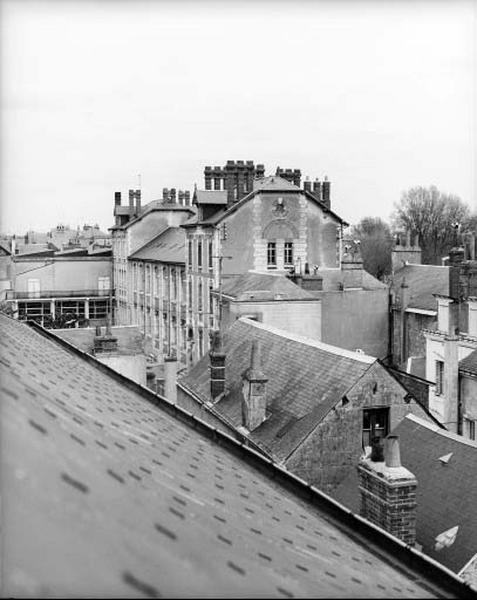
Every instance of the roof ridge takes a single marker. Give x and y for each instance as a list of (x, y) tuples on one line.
[(363, 358), (445, 432)]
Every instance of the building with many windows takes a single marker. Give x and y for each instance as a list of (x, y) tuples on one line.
[(251, 222), (61, 288)]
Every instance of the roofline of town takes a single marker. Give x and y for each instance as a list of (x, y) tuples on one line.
[(387, 546)]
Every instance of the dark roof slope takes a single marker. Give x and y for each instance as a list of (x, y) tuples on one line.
[(469, 363), (306, 379), (446, 491), (130, 339), (254, 286), (167, 247), (111, 491), (423, 282)]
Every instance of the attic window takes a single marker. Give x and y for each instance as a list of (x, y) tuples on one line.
[(375, 387), (344, 401)]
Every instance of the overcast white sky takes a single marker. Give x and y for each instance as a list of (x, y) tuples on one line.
[(380, 96)]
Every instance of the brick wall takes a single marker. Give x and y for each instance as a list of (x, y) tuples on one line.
[(389, 501)]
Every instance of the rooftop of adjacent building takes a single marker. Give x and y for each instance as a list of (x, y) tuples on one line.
[(443, 463), (272, 183), (256, 286), (167, 247), (129, 339), (306, 380), (423, 282), (469, 364), (111, 490)]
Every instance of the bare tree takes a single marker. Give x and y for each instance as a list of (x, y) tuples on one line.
[(436, 218), (376, 244)]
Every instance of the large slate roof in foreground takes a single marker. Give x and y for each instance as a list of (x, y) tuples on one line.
[(107, 494)]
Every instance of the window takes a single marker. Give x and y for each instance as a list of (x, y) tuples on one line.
[(190, 254), (103, 286), (439, 377), (271, 255), (469, 429), (211, 262), (199, 254), (199, 296), (33, 286), (375, 424), (288, 254)]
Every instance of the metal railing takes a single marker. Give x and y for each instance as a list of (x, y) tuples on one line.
[(41, 294)]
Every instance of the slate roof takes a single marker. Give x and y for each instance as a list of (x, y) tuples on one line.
[(167, 247), (336, 279), (273, 183), (423, 282), (306, 379), (130, 339), (469, 363), (255, 286), (109, 490), (446, 493)]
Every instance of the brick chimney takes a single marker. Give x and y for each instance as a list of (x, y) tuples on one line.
[(107, 342), (217, 364), (254, 401), (138, 201), (326, 192), (406, 250), (388, 492)]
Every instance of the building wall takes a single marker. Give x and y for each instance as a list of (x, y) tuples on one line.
[(335, 446), (440, 403), (468, 397), (63, 274), (355, 319), (131, 366), (301, 318), (415, 340)]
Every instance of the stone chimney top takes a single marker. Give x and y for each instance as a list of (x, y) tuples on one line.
[(254, 401), (107, 342)]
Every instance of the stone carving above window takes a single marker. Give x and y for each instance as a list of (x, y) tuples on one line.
[(280, 229)]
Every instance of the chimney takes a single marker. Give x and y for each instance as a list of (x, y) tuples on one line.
[(307, 185), (208, 178), (217, 364), (173, 196), (254, 401), (117, 198), (325, 192), (187, 198), (107, 342), (138, 201), (180, 197), (388, 492), (230, 181), (165, 195), (170, 376), (260, 171), (403, 252), (131, 202), (404, 301), (317, 188)]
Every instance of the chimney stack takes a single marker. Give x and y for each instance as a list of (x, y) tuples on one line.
[(388, 493), (117, 198), (107, 342), (208, 178), (138, 201), (217, 364), (170, 377), (187, 198), (254, 401), (173, 196), (131, 202), (165, 195), (325, 192), (307, 185)]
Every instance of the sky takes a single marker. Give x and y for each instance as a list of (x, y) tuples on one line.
[(380, 96)]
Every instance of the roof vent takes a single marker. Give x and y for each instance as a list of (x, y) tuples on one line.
[(446, 458), (446, 538)]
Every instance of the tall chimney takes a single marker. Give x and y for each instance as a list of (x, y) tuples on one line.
[(325, 191), (307, 185), (187, 198), (170, 378), (117, 198), (138, 201), (208, 178), (131, 202), (173, 196), (165, 195), (217, 364), (388, 493), (254, 401), (317, 189)]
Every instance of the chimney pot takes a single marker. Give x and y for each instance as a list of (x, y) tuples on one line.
[(377, 450), (170, 383), (392, 454)]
